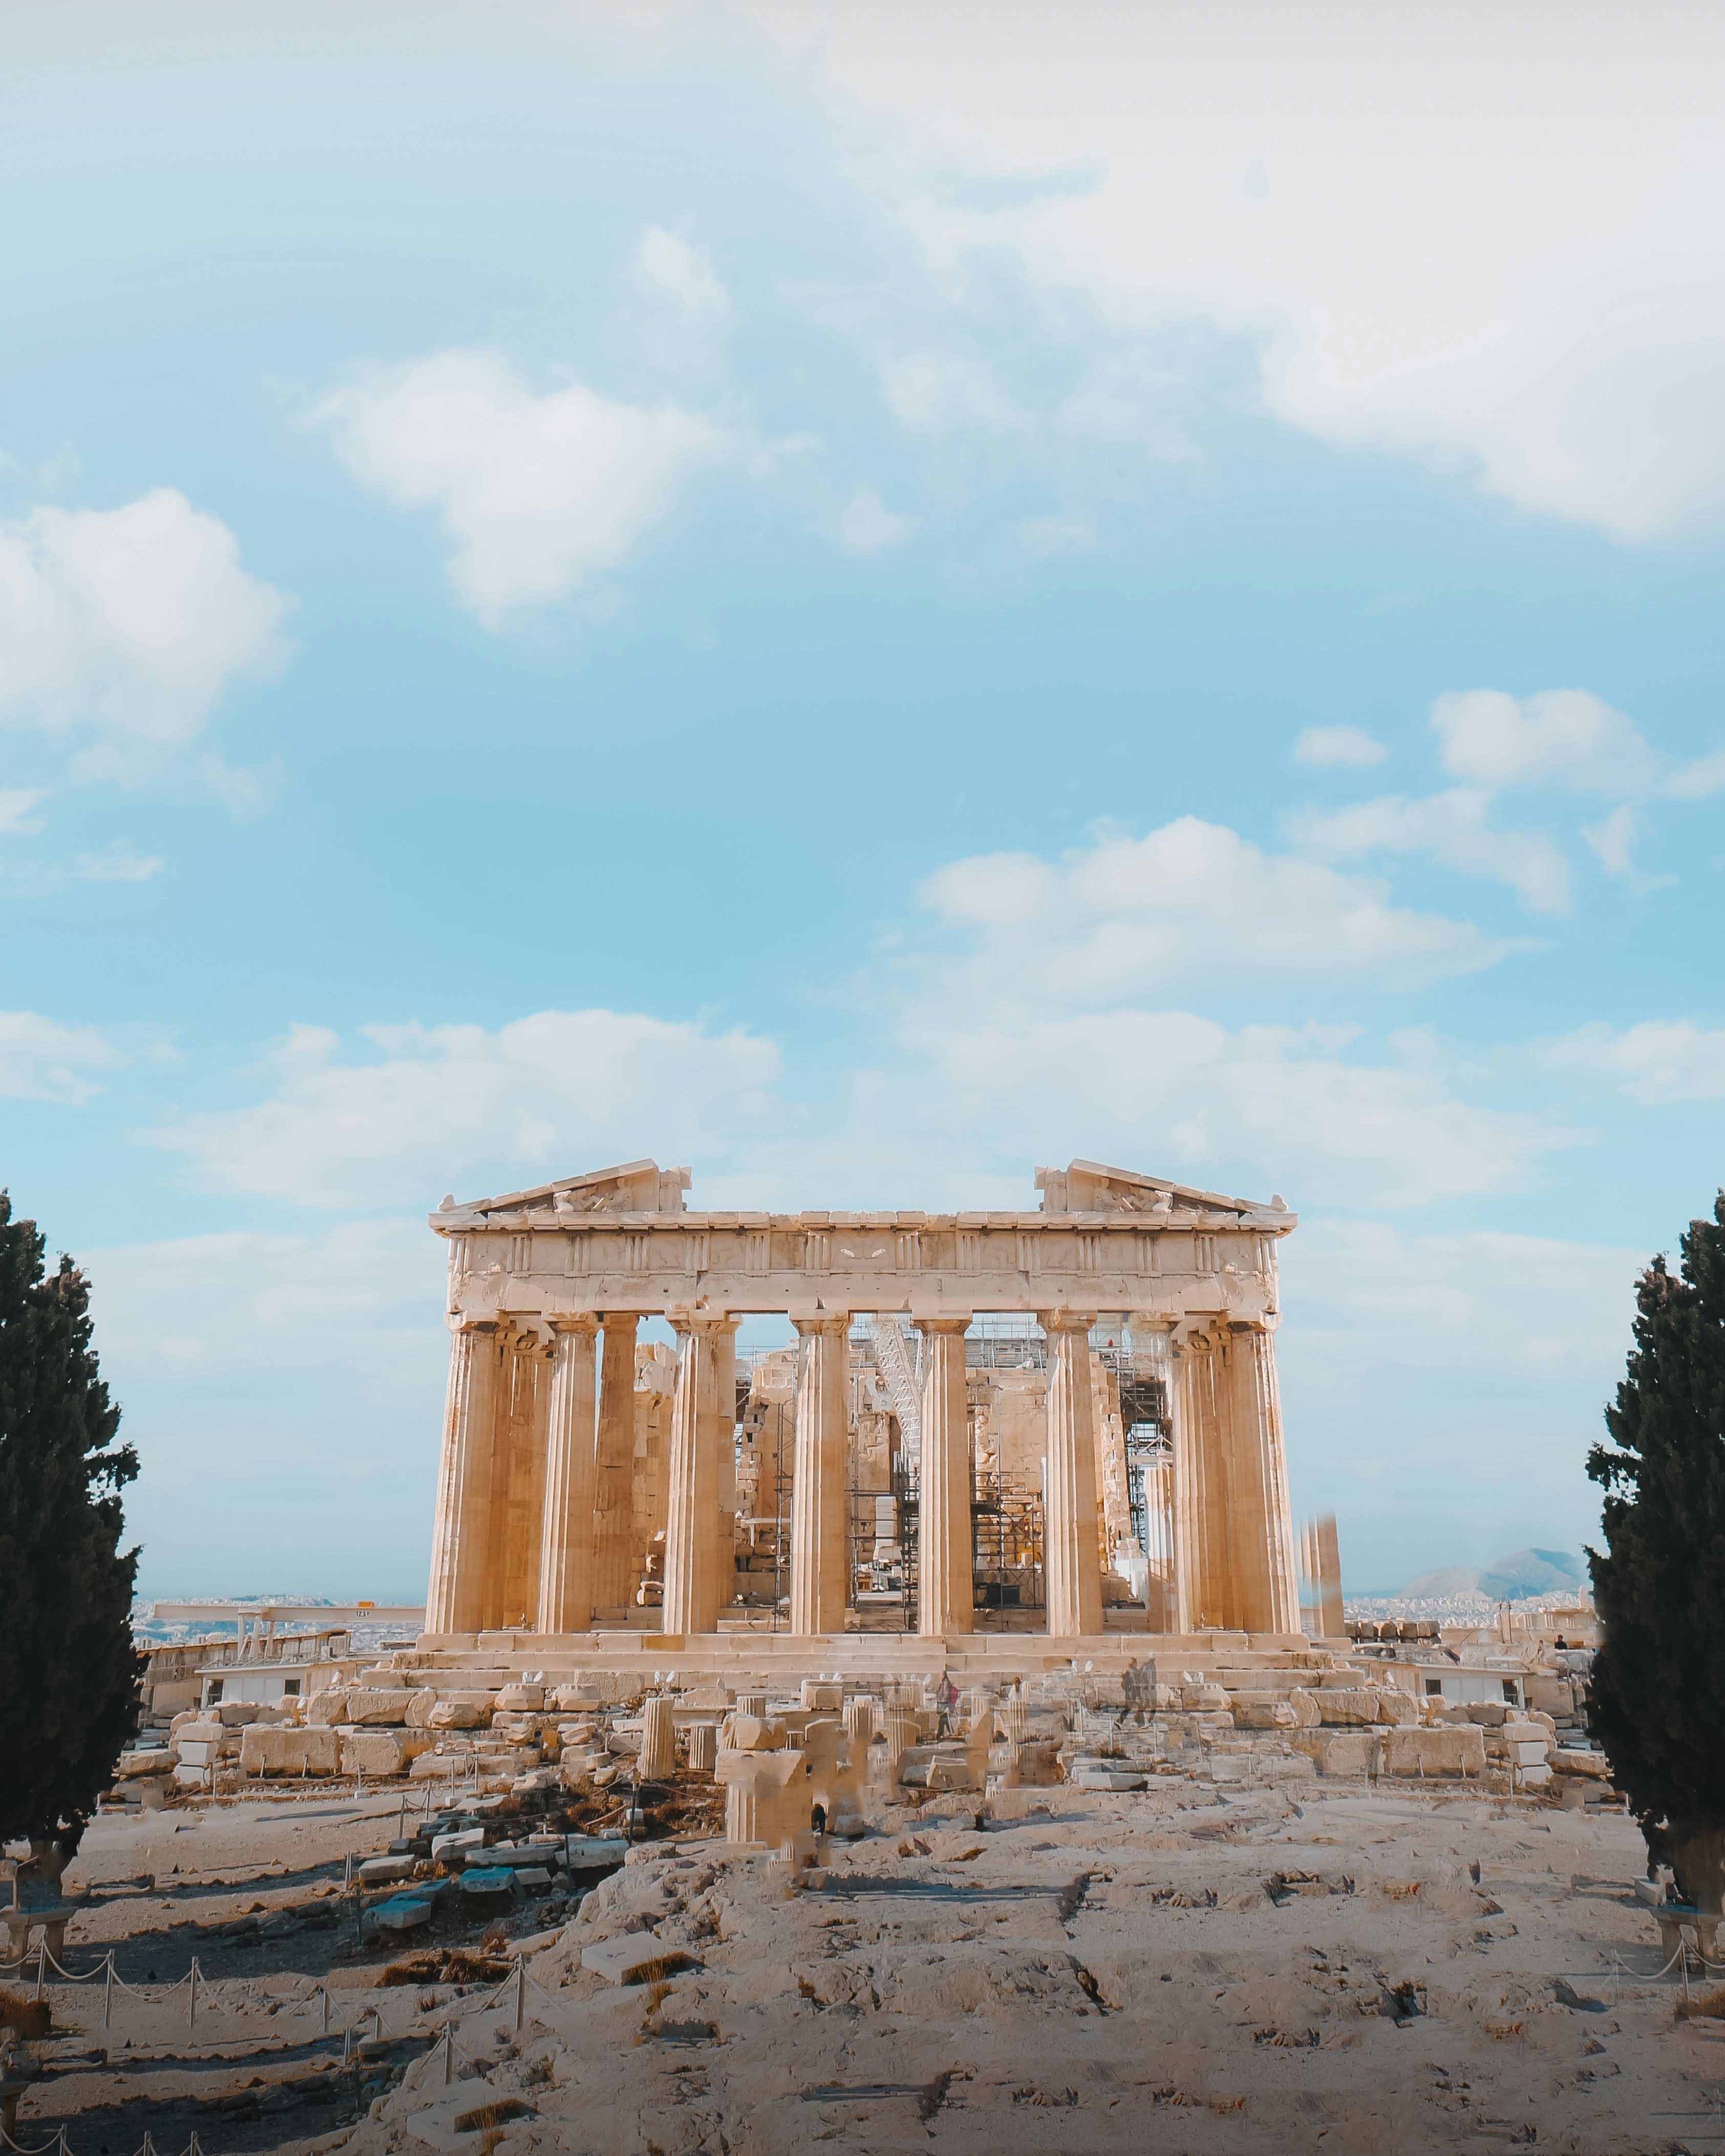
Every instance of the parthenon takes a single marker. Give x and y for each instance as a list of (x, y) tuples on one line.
[(1063, 1420)]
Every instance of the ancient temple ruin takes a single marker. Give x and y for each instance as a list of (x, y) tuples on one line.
[(1062, 1420)]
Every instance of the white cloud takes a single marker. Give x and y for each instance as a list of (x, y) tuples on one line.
[(1532, 279), (671, 270), (1472, 1366), (1613, 839), (1040, 1030), (536, 494), (937, 389), (447, 1105), (866, 525), (116, 863), (41, 1060), (244, 1403), (1558, 737), (1347, 748), (1452, 828), (1660, 1061), (1264, 1106), (1042, 537), (1694, 781), (17, 803), (1566, 737), (128, 625), (1191, 900)]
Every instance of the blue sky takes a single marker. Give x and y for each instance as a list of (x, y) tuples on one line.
[(862, 598)]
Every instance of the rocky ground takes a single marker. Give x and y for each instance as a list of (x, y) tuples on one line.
[(1187, 1967)]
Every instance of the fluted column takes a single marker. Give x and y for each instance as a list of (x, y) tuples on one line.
[(1266, 1594), (1072, 1564), (461, 1532), (819, 1555), (613, 1584), (565, 1548), (1200, 1492), (946, 1599), (696, 1579)]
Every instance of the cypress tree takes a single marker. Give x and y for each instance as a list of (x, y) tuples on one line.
[(69, 1676), (1657, 1700)]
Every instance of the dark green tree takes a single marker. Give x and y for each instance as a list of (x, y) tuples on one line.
[(1657, 1700), (69, 1673)]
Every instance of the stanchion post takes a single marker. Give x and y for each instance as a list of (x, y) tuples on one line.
[(324, 1995), (448, 2053), (108, 1992), (41, 1963), (520, 1996), (191, 2001)]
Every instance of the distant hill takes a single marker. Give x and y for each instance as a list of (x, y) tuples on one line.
[(1530, 1572), (1446, 1584), (1505, 1579)]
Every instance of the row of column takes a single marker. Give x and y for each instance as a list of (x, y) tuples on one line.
[(1232, 1527)]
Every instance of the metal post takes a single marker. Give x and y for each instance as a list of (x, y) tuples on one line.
[(520, 1996), (448, 2053), (191, 2002), (323, 1994), (41, 1963), (108, 1993)]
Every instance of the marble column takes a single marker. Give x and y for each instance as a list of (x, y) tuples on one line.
[(1200, 1504), (461, 1534), (518, 1481), (697, 1569), (946, 1599), (1072, 1563), (614, 1581), (820, 1554), (565, 1548), (1266, 1594)]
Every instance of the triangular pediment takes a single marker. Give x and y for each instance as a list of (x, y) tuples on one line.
[(635, 1186), (1090, 1186)]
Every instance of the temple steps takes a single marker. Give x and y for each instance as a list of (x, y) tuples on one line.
[(751, 1659)]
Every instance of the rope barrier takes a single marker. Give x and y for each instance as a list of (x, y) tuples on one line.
[(61, 2146)]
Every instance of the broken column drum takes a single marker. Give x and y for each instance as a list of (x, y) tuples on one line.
[(547, 1289), (659, 1738)]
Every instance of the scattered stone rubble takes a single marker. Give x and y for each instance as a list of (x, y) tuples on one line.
[(1212, 1889), (1221, 1712)]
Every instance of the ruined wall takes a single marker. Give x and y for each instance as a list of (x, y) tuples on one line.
[(655, 1386)]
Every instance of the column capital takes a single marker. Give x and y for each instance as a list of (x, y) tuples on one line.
[(704, 1324), (1265, 1324), (574, 1321), (945, 1327), (1066, 1321), (461, 1323), (835, 1323)]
